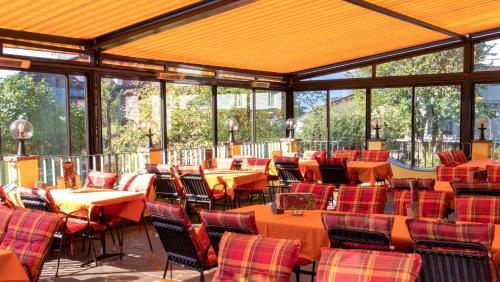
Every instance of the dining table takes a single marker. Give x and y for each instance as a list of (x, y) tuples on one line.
[(481, 164), (11, 268), (309, 229), (232, 179)]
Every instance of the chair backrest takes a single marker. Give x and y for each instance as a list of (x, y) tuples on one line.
[(167, 183), (295, 201), (28, 235), (4, 200), (338, 265), (255, 258), (97, 179), (446, 159), (177, 235), (361, 199), (350, 155), (493, 173), (333, 170), (288, 171), (226, 164), (375, 155), (312, 155), (239, 159), (5, 215), (322, 193), (261, 165), (453, 250), (358, 231), (38, 199), (218, 222), (404, 183), (476, 189), (194, 183), (481, 209), (459, 156), (137, 182), (462, 174), (431, 204)]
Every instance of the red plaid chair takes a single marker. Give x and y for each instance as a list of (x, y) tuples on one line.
[(4, 200), (260, 165), (375, 155), (446, 159), (28, 235), (338, 265), (430, 203), (97, 179), (459, 156), (476, 189), (322, 193), (478, 209), (226, 164), (5, 215), (334, 171), (361, 199), (350, 155), (167, 183), (183, 245), (218, 222), (255, 258), (288, 171), (493, 172), (404, 183), (312, 155), (358, 231), (462, 174), (443, 246)]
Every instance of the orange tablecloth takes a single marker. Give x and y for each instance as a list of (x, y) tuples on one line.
[(10, 268), (312, 165), (234, 178), (478, 163), (445, 186)]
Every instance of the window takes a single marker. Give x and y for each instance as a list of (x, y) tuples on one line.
[(447, 61), (126, 104), (487, 55), (269, 115), (347, 116), (234, 103), (488, 103), (189, 115), (41, 99), (354, 73), (310, 114), (78, 114)]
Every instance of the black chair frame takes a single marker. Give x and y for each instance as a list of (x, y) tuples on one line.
[(288, 174), (440, 265), (334, 174), (197, 191), (166, 187), (339, 236), (215, 233)]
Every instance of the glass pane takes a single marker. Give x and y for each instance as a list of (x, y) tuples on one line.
[(354, 73), (394, 106), (234, 103), (487, 55), (310, 113), (447, 61), (488, 103), (41, 98), (347, 117), (78, 114), (126, 104), (189, 116), (269, 115), (437, 128)]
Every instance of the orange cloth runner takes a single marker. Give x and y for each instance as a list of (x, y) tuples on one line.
[(234, 178), (445, 186), (367, 171), (10, 268), (312, 235), (478, 163)]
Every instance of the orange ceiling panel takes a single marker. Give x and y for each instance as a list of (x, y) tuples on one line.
[(281, 36), (461, 16), (81, 18)]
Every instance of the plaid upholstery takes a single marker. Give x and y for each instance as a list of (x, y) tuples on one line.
[(361, 222), (331, 161), (29, 235), (286, 160), (350, 155), (321, 192), (4, 200), (5, 215), (459, 156), (464, 174), (311, 155), (430, 203), (493, 172), (255, 258), (362, 265), (404, 183), (245, 220), (97, 179), (225, 163), (361, 199), (483, 186), (41, 193), (135, 182), (446, 159), (261, 165), (375, 155), (164, 168), (478, 209), (183, 169), (300, 201)]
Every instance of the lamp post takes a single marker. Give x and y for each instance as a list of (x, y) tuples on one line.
[(377, 124), (291, 124), (150, 126), (482, 123), (232, 126), (21, 130)]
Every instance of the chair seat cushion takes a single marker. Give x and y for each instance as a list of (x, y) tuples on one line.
[(75, 225), (218, 195), (301, 261)]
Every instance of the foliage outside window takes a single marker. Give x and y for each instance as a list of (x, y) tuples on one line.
[(78, 114), (310, 113), (269, 115), (487, 55), (189, 115), (126, 104), (487, 102), (234, 103), (354, 73), (347, 116)]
